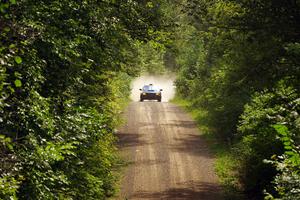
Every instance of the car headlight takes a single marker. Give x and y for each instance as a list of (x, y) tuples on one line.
[(144, 93), (158, 94)]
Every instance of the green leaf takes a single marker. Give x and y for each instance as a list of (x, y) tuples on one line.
[(13, 1), (7, 139), (6, 29), (12, 90), (18, 83), (18, 59), (288, 148), (281, 129), (285, 139), (287, 143), (10, 146), (17, 75), (289, 153)]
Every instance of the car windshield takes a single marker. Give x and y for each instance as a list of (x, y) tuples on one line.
[(150, 88)]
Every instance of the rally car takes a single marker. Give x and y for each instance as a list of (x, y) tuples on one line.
[(150, 92)]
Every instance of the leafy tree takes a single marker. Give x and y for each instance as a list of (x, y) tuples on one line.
[(65, 73), (287, 180), (239, 62)]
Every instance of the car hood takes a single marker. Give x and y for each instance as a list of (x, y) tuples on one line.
[(151, 91)]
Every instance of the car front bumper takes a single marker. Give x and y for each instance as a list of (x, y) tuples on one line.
[(150, 96)]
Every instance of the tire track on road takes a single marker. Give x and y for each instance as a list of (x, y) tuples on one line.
[(169, 159)]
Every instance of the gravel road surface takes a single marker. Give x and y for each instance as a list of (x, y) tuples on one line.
[(168, 158)]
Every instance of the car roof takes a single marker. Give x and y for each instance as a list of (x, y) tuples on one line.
[(150, 87)]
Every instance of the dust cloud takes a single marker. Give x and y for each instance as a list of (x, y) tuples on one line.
[(165, 82)]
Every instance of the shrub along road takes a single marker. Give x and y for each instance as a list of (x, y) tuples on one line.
[(168, 158)]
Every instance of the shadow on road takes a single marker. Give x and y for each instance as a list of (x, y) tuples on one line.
[(129, 140), (199, 191), (192, 144)]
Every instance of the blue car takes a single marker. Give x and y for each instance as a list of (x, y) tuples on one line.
[(150, 92)]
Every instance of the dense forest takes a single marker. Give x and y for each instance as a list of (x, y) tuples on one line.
[(239, 65), (65, 73)]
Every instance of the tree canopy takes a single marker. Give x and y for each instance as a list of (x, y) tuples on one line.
[(65, 72), (239, 62)]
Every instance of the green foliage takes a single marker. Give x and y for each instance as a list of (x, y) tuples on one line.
[(65, 73), (93, 162), (18, 59), (151, 58), (286, 182), (239, 63), (260, 140), (8, 181)]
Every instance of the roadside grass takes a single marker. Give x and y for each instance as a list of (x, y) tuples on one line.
[(119, 172), (225, 163), (121, 162)]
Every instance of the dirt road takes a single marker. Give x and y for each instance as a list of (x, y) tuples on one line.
[(167, 157)]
